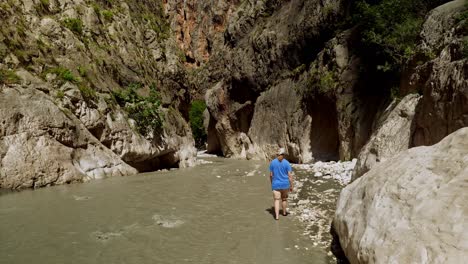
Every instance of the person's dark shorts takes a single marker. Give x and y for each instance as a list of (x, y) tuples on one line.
[(280, 194)]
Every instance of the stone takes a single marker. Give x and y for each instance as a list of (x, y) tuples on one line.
[(392, 136), (48, 146), (410, 208), (291, 128)]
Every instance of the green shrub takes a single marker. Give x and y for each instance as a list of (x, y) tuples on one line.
[(87, 92), (395, 93), (196, 122), (143, 109), (60, 94), (297, 71), (96, 8), (391, 29), (462, 21), (158, 23), (327, 82), (42, 6), (64, 74), (108, 15), (8, 77), (321, 81), (181, 55), (82, 71), (74, 24)]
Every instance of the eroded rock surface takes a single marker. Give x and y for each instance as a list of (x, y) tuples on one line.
[(42, 144), (443, 80), (392, 135), (76, 54), (401, 201)]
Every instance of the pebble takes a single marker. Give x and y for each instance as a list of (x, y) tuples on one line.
[(310, 203)]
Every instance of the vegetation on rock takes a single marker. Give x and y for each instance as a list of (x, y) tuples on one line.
[(64, 74), (74, 24), (108, 14), (143, 109), (8, 77), (390, 29), (196, 122), (462, 28)]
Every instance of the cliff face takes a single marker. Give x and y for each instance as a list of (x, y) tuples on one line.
[(443, 80), (398, 195), (89, 89), (259, 99), (273, 74), (286, 77)]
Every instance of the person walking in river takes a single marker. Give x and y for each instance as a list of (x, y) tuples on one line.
[(281, 182)]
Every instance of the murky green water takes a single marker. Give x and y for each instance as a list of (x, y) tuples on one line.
[(213, 213)]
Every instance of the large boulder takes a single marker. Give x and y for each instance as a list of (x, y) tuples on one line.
[(287, 124), (229, 122), (42, 144), (393, 134), (410, 208)]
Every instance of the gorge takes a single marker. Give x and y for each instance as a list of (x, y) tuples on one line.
[(91, 89)]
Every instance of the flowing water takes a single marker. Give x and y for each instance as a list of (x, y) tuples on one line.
[(217, 212)]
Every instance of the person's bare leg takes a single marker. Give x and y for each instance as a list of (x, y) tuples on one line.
[(277, 205), (285, 205)]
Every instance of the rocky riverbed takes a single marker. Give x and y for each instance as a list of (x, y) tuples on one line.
[(317, 188)]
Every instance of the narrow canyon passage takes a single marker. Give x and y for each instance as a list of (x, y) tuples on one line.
[(217, 212)]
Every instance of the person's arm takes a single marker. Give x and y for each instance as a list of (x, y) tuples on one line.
[(271, 177), (291, 181)]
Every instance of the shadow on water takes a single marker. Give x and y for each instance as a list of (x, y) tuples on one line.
[(271, 210)]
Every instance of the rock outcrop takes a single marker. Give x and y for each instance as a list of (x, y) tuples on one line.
[(337, 107), (391, 136), (392, 214), (42, 144), (443, 80), (263, 74), (290, 125), (74, 55)]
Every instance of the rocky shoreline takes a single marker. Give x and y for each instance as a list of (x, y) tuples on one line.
[(317, 188), (410, 208)]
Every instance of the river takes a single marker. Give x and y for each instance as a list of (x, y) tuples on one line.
[(216, 212)]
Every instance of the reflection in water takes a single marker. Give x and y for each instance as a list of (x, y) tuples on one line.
[(216, 212)]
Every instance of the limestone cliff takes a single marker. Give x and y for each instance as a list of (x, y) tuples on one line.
[(273, 74), (443, 80), (89, 89), (287, 76)]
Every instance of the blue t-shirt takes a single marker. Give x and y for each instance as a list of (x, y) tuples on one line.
[(280, 174)]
